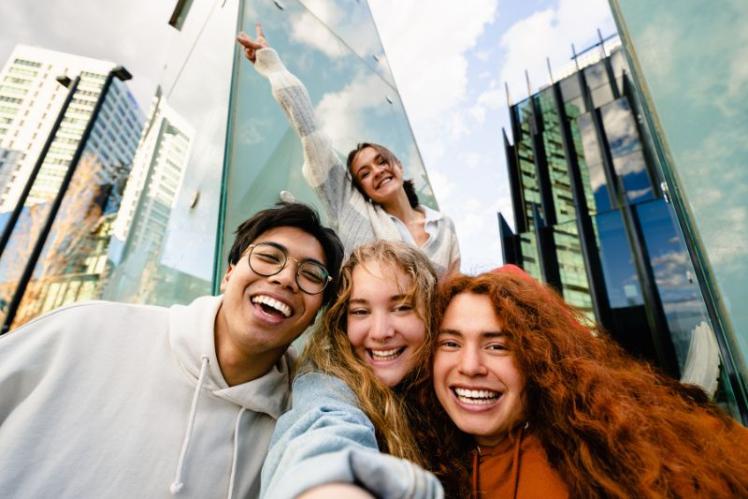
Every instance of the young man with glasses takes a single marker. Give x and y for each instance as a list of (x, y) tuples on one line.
[(117, 400)]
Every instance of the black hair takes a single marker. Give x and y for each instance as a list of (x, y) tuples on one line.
[(408, 186), (302, 217)]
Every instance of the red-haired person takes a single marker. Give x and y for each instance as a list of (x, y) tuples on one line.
[(557, 409)]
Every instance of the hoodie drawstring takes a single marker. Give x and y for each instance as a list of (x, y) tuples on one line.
[(236, 452), (177, 484), (476, 468), (515, 460)]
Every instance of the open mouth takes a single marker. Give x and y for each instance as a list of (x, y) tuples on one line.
[(273, 307), (476, 397), (385, 355), (384, 181)]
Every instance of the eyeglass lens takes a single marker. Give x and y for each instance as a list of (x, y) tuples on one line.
[(267, 260)]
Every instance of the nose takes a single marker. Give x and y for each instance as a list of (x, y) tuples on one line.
[(381, 327), (287, 276), (471, 362)]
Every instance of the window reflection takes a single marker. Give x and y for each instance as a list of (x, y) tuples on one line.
[(621, 279), (681, 299), (595, 174)]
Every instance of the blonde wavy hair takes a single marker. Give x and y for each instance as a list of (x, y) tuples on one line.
[(329, 350)]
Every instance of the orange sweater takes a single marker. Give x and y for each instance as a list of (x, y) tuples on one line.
[(516, 468)]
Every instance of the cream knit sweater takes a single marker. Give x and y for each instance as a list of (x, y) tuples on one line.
[(356, 220)]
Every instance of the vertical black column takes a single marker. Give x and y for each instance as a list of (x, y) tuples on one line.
[(547, 257), (515, 184), (511, 249), (585, 227)]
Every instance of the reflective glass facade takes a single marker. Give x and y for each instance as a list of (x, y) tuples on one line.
[(155, 225), (593, 222), (689, 68)]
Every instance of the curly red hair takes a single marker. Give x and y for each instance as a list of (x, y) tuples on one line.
[(612, 426)]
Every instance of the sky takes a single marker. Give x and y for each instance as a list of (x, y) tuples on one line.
[(449, 59)]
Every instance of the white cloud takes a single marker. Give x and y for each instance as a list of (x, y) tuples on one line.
[(550, 33), (428, 58), (341, 112), (306, 29)]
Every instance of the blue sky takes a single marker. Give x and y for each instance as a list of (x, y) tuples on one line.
[(450, 64)]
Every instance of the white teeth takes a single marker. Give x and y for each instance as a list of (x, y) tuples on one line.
[(385, 354), (273, 303), (476, 396)]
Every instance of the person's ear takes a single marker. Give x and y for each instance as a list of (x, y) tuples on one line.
[(226, 277)]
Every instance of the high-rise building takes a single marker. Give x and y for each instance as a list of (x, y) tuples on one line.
[(49, 99), (593, 220), (216, 146), (140, 227), (30, 99), (689, 66)]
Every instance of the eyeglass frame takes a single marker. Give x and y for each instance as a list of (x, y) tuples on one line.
[(299, 263)]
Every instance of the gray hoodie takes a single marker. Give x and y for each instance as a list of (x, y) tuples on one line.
[(114, 400)]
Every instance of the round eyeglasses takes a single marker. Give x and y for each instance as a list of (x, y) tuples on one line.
[(269, 259)]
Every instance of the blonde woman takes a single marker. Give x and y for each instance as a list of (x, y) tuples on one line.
[(358, 379)]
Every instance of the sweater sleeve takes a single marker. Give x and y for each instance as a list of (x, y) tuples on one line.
[(323, 169), (325, 438)]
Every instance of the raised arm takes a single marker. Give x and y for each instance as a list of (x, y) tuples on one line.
[(323, 169), (326, 439)]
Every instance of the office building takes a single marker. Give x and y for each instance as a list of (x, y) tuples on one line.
[(593, 219), (30, 98), (689, 68), (47, 100)]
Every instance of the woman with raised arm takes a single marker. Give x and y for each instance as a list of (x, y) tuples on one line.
[(558, 410), (367, 199), (361, 376)]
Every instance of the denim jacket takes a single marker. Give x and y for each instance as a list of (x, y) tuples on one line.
[(326, 438)]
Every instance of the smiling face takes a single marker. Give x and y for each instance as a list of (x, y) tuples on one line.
[(380, 178), (383, 325), (475, 376), (260, 316)]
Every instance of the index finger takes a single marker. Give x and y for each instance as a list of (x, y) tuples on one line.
[(258, 31)]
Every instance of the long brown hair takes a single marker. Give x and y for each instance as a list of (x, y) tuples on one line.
[(611, 425), (329, 350)]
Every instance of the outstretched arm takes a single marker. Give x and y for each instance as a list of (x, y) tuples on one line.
[(322, 168), (326, 439)]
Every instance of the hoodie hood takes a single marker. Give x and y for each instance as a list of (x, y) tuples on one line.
[(191, 336)]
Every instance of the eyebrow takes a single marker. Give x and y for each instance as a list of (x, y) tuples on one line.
[(483, 334), (393, 298), (378, 158), (285, 250)]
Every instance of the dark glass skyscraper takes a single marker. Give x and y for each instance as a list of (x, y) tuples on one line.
[(592, 220)]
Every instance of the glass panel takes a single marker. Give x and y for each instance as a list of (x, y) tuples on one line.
[(620, 127), (575, 287), (353, 103), (597, 81), (621, 279), (339, 28), (563, 200), (594, 173), (153, 239), (620, 66), (633, 173), (571, 93), (697, 85), (681, 299), (530, 255)]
